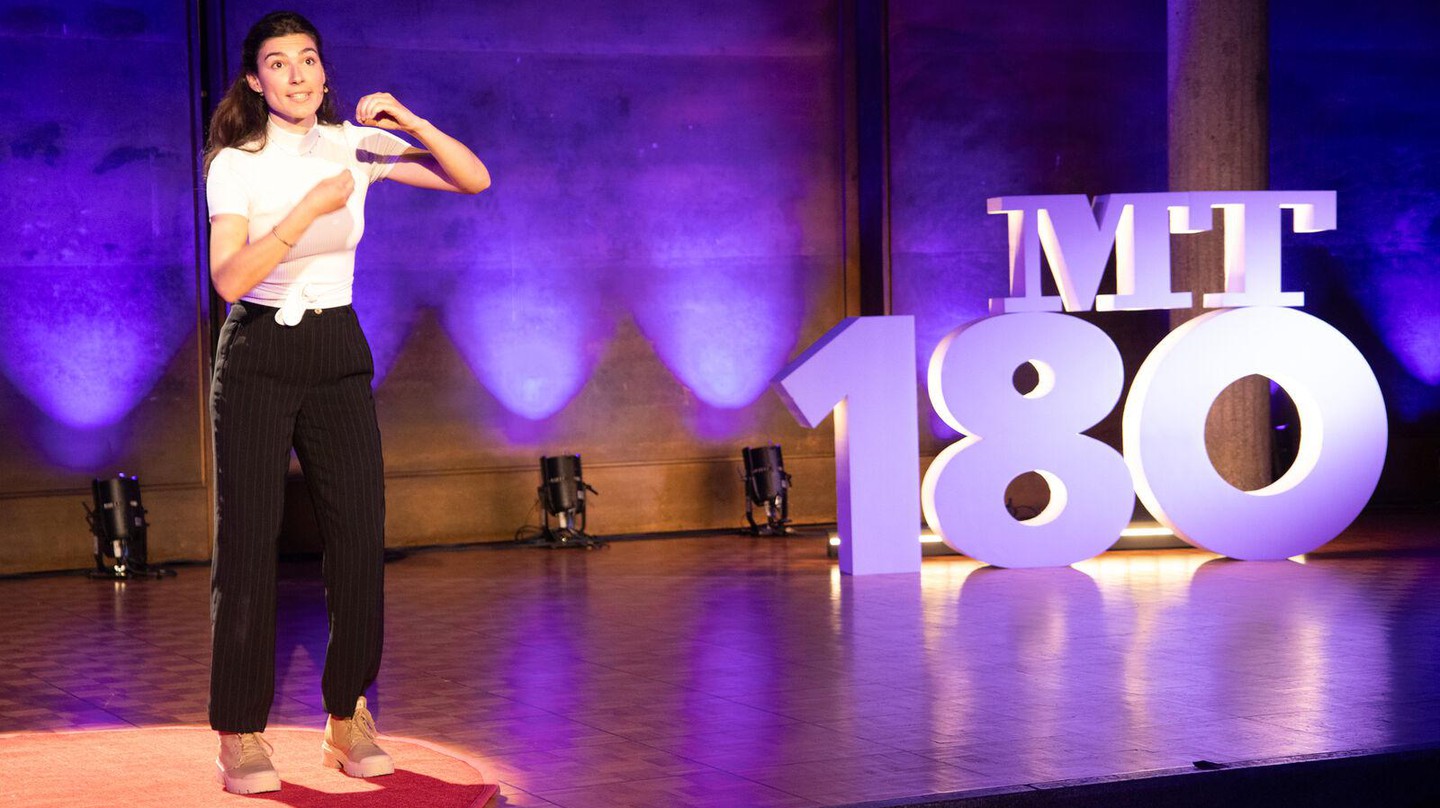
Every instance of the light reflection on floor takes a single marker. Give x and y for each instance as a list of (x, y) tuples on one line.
[(729, 671)]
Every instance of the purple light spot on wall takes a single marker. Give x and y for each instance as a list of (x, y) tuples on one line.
[(720, 297), (531, 335), (938, 427), (85, 344), (1408, 314), (80, 449), (388, 307), (1351, 74), (721, 423), (1404, 299), (723, 326)]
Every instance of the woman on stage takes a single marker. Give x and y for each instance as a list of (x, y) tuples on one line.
[(285, 182)]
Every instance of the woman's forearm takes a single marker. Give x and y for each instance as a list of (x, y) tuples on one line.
[(238, 272), (454, 158)]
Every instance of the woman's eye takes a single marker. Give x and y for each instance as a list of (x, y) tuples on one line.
[(310, 61)]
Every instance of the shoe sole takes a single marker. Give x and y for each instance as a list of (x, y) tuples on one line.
[(335, 759), (254, 784)]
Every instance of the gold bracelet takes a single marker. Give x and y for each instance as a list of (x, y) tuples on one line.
[(276, 234)]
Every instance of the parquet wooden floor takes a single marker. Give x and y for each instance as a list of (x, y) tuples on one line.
[(730, 671)]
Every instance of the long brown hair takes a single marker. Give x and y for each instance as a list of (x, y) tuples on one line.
[(240, 117)]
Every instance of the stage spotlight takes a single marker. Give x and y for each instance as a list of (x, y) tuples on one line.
[(118, 524), (767, 486), (562, 495)]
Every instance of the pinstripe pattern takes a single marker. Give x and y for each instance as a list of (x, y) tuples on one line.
[(306, 386)]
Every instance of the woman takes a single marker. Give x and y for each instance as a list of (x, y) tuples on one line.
[(286, 183)]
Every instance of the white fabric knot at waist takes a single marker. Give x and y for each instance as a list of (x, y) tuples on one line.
[(305, 296)]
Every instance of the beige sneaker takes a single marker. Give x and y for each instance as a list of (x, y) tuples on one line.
[(243, 765), (350, 745)]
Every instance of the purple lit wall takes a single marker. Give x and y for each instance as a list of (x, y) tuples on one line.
[(97, 225), (1352, 108), (666, 229), (98, 353), (987, 100), (1049, 98), (662, 234)]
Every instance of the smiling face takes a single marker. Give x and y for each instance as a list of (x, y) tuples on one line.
[(289, 74)]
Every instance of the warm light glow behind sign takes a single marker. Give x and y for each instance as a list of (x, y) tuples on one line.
[(853, 370)]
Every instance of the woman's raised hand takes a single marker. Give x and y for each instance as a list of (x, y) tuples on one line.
[(332, 193), (383, 111)]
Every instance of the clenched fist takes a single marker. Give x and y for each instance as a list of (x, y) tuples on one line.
[(332, 193)]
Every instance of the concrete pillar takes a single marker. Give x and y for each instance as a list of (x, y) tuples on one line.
[(1219, 140)]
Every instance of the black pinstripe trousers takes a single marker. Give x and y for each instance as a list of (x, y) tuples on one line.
[(306, 386)]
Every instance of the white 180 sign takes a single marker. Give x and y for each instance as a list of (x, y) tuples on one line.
[(860, 370)]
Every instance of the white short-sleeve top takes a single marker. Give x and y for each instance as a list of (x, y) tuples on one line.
[(265, 185)]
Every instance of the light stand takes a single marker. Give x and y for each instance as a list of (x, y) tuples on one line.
[(768, 486), (562, 495), (118, 524)]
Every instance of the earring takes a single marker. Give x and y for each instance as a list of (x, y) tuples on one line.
[(327, 88)]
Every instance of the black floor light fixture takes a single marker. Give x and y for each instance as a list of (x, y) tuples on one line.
[(767, 486), (117, 521), (562, 495)]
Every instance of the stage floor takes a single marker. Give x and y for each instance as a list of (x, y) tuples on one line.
[(731, 671)]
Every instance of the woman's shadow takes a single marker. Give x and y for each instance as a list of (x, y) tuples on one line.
[(401, 788)]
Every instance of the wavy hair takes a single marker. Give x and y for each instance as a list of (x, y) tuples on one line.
[(240, 117)]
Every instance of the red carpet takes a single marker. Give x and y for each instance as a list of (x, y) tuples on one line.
[(173, 767)]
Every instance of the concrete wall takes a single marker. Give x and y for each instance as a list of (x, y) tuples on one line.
[(1054, 97), (664, 231), (1352, 108), (1035, 98), (667, 227), (100, 341)]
